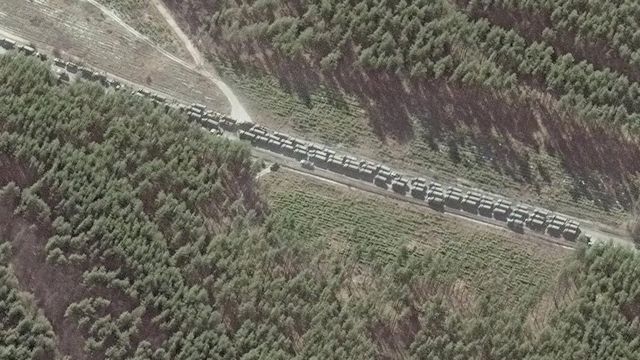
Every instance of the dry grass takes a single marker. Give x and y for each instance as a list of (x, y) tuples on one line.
[(80, 30), (378, 227), (514, 147), (144, 17)]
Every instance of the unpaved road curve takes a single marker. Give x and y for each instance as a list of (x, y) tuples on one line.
[(166, 14), (137, 34), (238, 111)]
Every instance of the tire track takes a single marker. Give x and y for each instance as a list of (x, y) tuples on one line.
[(238, 111)]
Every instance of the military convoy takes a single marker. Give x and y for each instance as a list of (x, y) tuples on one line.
[(454, 197), (312, 155), (7, 44), (518, 218), (435, 196), (29, 50)]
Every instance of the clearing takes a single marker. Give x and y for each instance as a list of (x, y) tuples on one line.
[(468, 154), (528, 146), (353, 221), (144, 17), (80, 31)]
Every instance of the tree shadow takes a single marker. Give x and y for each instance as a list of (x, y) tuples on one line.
[(531, 26), (506, 126)]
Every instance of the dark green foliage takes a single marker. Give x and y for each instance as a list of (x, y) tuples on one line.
[(505, 79), (175, 257), (610, 22), (602, 320), (633, 226), (160, 223), (24, 332), (426, 39)]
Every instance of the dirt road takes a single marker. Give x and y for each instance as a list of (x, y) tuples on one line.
[(78, 31), (356, 188), (339, 180), (166, 14), (137, 34), (238, 111), (187, 93), (199, 64)]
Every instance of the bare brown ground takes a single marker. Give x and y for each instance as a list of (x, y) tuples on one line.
[(55, 287), (81, 31), (12, 170)]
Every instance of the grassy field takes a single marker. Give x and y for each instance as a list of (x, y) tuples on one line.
[(491, 161), (379, 227), (143, 16), (334, 119), (79, 31)]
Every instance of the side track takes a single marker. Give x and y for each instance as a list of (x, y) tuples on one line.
[(473, 204)]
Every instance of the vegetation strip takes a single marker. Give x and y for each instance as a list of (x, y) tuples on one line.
[(516, 217), (143, 237)]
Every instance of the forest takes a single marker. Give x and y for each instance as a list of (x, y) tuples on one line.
[(128, 233), (551, 84), (433, 39)]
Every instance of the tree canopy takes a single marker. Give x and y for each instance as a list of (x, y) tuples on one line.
[(437, 39), (157, 245)]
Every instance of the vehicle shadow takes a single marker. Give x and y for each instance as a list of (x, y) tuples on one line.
[(510, 125)]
